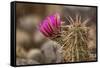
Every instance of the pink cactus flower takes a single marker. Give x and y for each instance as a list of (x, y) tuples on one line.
[(51, 25)]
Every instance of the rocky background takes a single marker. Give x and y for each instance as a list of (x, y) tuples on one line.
[(34, 48)]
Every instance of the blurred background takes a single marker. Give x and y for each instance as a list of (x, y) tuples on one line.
[(34, 48)]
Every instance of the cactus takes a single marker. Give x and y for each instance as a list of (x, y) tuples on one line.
[(73, 39)]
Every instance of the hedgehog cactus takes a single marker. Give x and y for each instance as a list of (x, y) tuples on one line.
[(73, 38)]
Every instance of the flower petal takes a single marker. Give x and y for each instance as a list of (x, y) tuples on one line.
[(46, 29), (43, 31), (49, 23)]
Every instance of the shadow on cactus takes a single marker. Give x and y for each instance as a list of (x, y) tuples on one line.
[(73, 38)]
